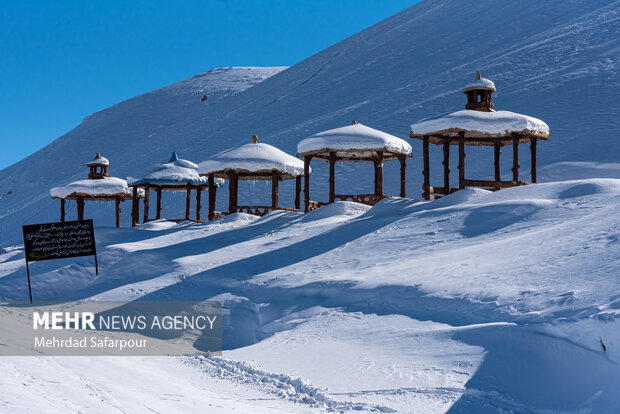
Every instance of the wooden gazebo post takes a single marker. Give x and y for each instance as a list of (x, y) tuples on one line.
[(446, 167), (274, 189), (497, 152), (379, 174), (212, 196), (135, 208), (198, 203), (307, 159), (80, 208), (62, 210), (515, 158), (117, 202), (403, 175), (298, 192), (426, 171), (534, 159), (146, 203), (188, 200), (233, 185), (462, 159), (332, 177), (158, 207)]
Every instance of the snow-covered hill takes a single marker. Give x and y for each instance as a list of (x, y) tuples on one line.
[(556, 60), (473, 303)]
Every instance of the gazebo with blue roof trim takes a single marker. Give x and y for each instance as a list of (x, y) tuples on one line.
[(175, 175)]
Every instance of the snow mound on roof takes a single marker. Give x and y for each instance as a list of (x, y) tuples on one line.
[(356, 136), (103, 187), (483, 83), (179, 171), (252, 157), (99, 161), (492, 124)]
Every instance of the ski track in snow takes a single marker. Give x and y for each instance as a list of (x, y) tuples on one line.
[(281, 385)]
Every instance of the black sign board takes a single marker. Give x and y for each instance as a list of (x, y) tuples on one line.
[(58, 241)]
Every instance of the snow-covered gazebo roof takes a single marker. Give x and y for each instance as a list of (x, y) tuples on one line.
[(479, 126), (356, 142), (105, 188), (173, 173), (254, 161)]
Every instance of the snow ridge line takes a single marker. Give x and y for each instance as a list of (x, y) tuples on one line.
[(284, 386)]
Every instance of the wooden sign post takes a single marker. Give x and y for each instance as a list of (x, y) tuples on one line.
[(58, 241)]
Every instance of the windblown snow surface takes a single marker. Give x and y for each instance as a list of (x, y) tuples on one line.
[(478, 302)]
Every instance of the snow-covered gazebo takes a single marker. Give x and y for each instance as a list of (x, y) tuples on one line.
[(175, 175), (98, 186), (478, 124), (252, 162), (353, 143)]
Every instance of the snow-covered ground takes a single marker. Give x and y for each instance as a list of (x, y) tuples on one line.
[(475, 302)]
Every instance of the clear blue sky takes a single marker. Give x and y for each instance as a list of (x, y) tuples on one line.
[(63, 60)]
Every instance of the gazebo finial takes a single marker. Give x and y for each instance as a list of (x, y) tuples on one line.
[(174, 157), (98, 167), (479, 94), (255, 138)]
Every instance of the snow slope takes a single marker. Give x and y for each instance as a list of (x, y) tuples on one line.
[(472, 303), (555, 60)]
